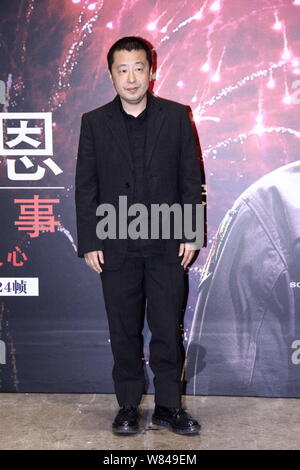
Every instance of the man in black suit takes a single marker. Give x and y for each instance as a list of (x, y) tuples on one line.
[(142, 147)]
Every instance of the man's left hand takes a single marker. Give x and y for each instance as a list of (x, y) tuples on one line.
[(188, 251)]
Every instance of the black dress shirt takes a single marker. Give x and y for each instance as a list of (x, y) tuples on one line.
[(136, 131)]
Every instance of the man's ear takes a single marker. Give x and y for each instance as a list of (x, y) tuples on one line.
[(150, 73)]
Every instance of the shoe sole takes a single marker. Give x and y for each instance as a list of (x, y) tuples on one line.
[(125, 430), (191, 431)]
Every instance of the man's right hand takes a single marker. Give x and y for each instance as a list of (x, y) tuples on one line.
[(92, 260)]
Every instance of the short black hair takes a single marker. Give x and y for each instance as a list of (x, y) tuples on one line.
[(129, 43)]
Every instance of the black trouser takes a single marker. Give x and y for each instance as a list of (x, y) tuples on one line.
[(125, 292)]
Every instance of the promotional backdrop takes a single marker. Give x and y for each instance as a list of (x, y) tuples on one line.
[(237, 65)]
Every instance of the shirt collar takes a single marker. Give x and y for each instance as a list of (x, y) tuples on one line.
[(141, 116)]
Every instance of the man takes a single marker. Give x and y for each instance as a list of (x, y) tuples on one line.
[(142, 147)]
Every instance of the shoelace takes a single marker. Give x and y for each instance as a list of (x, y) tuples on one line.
[(181, 411)]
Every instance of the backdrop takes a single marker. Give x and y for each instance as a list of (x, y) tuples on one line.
[(237, 64)]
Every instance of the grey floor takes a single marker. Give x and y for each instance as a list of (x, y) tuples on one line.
[(61, 421)]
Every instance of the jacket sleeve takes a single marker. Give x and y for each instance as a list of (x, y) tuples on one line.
[(86, 192), (190, 177)]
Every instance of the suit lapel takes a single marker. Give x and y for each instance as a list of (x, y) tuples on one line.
[(115, 121), (117, 126), (155, 120)]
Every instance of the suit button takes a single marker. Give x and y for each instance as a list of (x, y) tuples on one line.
[(127, 185)]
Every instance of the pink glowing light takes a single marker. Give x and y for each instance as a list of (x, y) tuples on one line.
[(286, 54), (215, 77), (259, 128), (152, 26), (278, 25), (287, 98), (215, 6), (198, 15), (205, 67)]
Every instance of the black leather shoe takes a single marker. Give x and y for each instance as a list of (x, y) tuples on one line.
[(126, 421), (177, 419)]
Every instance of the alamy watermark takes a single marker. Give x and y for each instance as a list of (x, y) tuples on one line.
[(2, 352), (296, 353), (185, 217)]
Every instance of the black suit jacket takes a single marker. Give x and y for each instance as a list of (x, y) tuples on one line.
[(104, 170)]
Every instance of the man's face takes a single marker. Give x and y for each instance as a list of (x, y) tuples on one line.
[(130, 75)]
